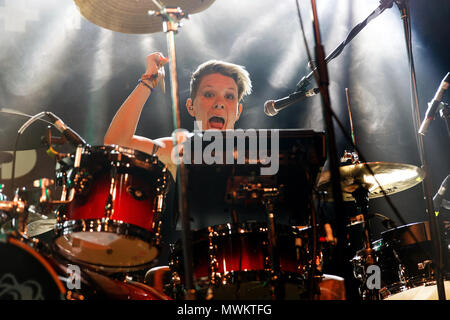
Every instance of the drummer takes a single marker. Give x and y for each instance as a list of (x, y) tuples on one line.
[(216, 92)]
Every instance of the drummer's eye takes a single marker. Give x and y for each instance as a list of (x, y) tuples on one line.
[(208, 94), (230, 96)]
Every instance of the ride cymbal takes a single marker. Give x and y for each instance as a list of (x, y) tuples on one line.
[(132, 16), (392, 177)]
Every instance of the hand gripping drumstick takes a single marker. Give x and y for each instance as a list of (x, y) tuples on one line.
[(154, 77)]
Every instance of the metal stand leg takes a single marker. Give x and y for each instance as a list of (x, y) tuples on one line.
[(277, 287), (361, 196), (171, 18), (426, 183)]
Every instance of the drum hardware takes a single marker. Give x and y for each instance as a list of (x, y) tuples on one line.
[(437, 247), (350, 157), (30, 212), (171, 18), (361, 196), (269, 196), (444, 113), (321, 66), (321, 76)]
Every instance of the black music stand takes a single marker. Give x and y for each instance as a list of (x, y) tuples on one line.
[(210, 187)]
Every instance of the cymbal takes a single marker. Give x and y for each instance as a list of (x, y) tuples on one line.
[(392, 177), (38, 227), (132, 16)]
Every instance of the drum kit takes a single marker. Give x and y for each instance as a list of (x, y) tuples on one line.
[(104, 232)]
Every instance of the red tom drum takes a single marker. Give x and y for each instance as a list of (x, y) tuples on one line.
[(113, 222)]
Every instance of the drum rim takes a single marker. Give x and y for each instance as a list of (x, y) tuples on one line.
[(235, 277), (419, 230), (108, 226), (244, 228), (139, 159), (131, 155)]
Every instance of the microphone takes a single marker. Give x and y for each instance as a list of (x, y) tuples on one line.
[(68, 133), (272, 107), (434, 104), (438, 197)]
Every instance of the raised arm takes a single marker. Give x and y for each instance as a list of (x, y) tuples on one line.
[(122, 129)]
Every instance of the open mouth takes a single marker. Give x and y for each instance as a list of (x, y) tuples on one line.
[(216, 122)]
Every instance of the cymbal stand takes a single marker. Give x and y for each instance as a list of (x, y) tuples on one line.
[(444, 112), (269, 196), (323, 82), (403, 6), (171, 21), (361, 195)]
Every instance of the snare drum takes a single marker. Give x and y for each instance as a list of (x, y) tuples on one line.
[(114, 220), (232, 261)]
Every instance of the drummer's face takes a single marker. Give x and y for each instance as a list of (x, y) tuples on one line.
[(216, 104)]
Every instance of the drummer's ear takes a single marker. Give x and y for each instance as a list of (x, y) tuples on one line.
[(238, 111), (190, 107)]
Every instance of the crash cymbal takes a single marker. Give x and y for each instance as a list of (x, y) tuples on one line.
[(393, 178), (132, 16)]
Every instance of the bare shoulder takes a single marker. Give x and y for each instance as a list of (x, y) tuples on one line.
[(164, 153), (165, 142)]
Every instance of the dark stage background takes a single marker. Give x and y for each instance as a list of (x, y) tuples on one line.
[(53, 59)]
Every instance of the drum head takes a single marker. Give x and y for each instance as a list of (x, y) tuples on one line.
[(26, 275), (422, 292), (107, 250)]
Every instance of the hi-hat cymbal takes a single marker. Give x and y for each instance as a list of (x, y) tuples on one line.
[(392, 177), (39, 227), (132, 16)]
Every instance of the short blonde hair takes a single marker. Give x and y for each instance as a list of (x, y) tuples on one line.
[(234, 71)]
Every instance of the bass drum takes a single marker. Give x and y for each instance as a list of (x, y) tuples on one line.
[(25, 274), (28, 272)]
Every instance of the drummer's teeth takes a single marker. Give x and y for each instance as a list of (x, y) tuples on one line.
[(217, 119)]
